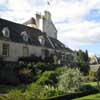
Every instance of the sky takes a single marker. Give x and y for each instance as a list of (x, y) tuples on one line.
[(77, 21)]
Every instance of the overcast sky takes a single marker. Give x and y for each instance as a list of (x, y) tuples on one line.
[(77, 21)]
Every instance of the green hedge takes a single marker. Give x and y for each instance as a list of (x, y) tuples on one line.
[(72, 95)]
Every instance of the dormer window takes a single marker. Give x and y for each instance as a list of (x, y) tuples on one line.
[(56, 44), (25, 36), (6, 32), (41, 40)]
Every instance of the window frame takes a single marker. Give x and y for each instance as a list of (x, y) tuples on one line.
[(6, 32), (5, 49), (25, 49)]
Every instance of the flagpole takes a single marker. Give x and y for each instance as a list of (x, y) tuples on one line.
[(47, 5)]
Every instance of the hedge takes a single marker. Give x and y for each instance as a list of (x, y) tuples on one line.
[(72, 95)]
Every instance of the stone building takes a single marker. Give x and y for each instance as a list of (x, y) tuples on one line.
[(37, 36)]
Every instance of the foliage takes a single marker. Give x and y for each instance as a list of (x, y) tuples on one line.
[(98, 76), (25, 75), (82, 60), (61, 70), (47, 78), (17, 95), (41, 66), (44, 66), (82, 56), (26, 72), (8, 74), (88, 88), (70, 80), (2, 98), (50, 91), (92, 76), (14, 95), (40, 92), (35, 90)]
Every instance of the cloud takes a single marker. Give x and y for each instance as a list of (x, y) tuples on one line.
[(75, 20)]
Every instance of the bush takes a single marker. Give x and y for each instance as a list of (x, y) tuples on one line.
[(47, 78), (14, 95), (35, 90), (50, 91), (25, 75), (70, 80), (17, 95), (41, 92), (8, 74), (41, 66), (88, 88), (92, 76), (61, 70), (2, 98), (45, 66)]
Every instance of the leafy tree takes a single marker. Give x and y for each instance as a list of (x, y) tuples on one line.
[(82, 61), (98, 76)]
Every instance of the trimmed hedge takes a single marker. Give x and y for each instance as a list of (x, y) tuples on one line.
[(72, 95)]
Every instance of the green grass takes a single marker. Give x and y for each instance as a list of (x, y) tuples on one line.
[(92, 83), (90, 97)]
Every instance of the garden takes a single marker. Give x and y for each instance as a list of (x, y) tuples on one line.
[(45, 81)]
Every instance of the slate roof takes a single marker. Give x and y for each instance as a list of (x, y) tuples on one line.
[(15, 32), (57, 44), (15, 35)]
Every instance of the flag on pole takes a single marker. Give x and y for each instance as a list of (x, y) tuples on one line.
[(48, 2)]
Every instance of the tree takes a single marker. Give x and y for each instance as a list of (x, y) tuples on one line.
[(98, 76), (86, 56), (82, 61)]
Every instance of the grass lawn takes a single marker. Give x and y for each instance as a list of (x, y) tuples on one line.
[(90, 97), (92, 83)]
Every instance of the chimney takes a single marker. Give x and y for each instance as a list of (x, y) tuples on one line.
[(39, 21)]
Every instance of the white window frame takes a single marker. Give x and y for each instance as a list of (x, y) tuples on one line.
[(6, 32), (5, 49), (24, 35)]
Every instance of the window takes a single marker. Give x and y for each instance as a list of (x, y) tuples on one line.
[(41, 40), (25, 51), (6, 32), (25, 36), (5, 50)]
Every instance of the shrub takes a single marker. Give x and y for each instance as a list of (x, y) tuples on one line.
[(70, 80), (39, 92), (45, 66), (88, 88), (8, 74), (61, 70), (14, 95), (2, 98), (41, 66), (18, 95), (92, 76), (25, 75), (35, 90), (50, 91), (47, 78)]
